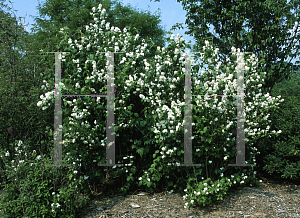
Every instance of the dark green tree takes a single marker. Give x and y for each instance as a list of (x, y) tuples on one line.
[(75, 15), (257, 26), (20, 119)]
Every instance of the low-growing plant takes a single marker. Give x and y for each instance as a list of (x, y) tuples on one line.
[(36, 190)]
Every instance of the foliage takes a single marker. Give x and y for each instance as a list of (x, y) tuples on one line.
[(267, 35), (280, 155), (29, 125), (76, 14), (19, 89), (264, 28), (135, 103), (205, 193), (142, 139), (36, 190), (20, 112)]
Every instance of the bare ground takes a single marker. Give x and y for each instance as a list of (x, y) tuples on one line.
[(270, 199)]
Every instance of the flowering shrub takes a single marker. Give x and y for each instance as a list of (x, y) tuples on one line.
[(149, 106), (153, 93)]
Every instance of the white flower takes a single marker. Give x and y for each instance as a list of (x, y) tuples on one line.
[(225, 158), (185, 205)]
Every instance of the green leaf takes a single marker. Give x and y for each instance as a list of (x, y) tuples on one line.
[(129, 108), (136, 114), (142, 123), (116, 128), (140, 151)]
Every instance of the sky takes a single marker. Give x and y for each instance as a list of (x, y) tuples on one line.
[(171, 12)]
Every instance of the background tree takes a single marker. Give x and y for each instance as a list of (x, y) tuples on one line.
[(75, 15), (257, 26)]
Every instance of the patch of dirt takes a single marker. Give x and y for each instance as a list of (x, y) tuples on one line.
[(270, 199)]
